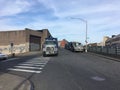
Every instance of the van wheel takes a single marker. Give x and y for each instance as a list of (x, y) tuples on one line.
[(73, 50)]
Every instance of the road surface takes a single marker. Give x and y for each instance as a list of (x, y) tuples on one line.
[(67, 71)]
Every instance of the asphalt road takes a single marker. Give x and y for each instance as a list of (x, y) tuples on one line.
[(67, 71)]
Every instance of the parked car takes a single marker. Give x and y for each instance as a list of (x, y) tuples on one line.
[(3, 56)]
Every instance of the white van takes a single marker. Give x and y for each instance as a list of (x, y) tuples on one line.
[(76, 46)]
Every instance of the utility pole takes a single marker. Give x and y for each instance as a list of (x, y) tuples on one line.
[(85, 31)]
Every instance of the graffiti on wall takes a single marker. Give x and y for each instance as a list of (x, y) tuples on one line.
[(14, 49), (20, 49), (4, 49)]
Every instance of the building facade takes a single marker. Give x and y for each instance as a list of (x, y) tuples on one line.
[(103, 43), (105, 38), (92, 44), (21, 41), (114, 41), (63, 43)]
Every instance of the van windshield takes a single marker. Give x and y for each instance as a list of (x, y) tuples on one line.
[(76, 44)]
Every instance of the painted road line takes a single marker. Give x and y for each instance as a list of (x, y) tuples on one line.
[(32, 65), (29, 67), (24, 70), (11, 59)]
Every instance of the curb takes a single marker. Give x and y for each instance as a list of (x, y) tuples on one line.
[(14, 82), (25, 86), (25, 54)]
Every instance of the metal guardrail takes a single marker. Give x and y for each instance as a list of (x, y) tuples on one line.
[(114, 51), (118, 51)]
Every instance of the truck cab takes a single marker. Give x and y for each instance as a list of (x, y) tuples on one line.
[(50, 47)]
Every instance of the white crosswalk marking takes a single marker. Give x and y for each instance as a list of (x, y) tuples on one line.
[(24, 70), (28, 67), (34, 65)]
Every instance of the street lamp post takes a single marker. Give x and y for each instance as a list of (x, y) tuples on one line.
[(86, 31)]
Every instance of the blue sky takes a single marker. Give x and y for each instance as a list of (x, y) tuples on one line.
[(103, 17)]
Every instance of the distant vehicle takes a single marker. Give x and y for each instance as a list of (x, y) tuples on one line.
[(75, 46), (67, 46), (50, 47), (3, 56)]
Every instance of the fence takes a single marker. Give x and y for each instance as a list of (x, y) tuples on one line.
[(111, 51)]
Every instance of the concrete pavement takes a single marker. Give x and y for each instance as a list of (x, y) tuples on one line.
[(64, 68), (13, 82), (78, 71)]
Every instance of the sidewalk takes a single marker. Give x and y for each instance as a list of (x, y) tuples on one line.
[(13, 82)]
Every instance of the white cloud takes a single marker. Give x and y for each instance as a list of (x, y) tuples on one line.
[(65, 9), (100, 16), (5, 27), (90, 10), (13, 7), (49, 4)]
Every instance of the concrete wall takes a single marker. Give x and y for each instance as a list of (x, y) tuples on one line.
[(21, 40), (17, 38), (21, 48), (8, 37)]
